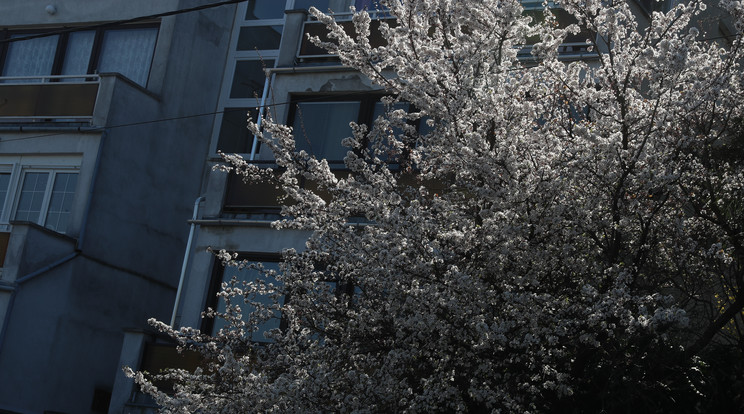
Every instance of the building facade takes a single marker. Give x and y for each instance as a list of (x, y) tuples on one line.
[(111, 118), (271, 67), (105, 115)]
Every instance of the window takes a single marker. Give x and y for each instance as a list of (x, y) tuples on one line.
[(319, 127), (650, 6), (127, 50), (4, 186), (33, 57), (222, 274), (256, 39), (321, 123), (44, 197), (60, 203)]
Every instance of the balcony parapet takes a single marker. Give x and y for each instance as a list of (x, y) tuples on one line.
[(63, 100), (41, 98)]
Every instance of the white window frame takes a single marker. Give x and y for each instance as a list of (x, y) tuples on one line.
[(16, 185), (7, 204), (234, 56)]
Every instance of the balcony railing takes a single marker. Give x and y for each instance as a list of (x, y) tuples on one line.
[(48, 98)]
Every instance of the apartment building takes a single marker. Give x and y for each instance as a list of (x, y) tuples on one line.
[(105, 117), (109, 128)]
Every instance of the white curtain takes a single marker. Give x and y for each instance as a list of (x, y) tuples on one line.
[(128, 52), (33, 57)]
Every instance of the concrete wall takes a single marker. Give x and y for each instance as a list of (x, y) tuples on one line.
[(64, 334), (153, 170), (32, 13)]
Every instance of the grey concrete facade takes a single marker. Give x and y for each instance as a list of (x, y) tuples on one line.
[(68, 293)]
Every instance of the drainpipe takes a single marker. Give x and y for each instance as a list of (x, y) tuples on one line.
[(17, 285), (185, 261)]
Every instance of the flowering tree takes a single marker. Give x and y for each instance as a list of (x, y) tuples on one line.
[(562, 235)]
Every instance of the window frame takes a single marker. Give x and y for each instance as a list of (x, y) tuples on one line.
[(17, 179), (366, 115), (215, 286), (62, 42)]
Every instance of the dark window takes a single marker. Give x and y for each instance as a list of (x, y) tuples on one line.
[(234, 134), (264, 9), (255, 197), (319, 127), (321, 5), (259, 37), (650, 6), (127, 50), (224, 274), (370, 5), (321, 123), (309, 50), (249, 78)]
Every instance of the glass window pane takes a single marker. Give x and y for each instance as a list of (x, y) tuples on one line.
[(77, 54), (321, 5), (33, 57), (319, 127), (249, 79), (4, 184), (249, 275), (234, 135), (367, 5), (379, 110), (129, 52), (265, 9), (60, 203), (32, 195), (259, 37)]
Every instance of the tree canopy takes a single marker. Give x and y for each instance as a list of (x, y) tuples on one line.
[(557, 234)]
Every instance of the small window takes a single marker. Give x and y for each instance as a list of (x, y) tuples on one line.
[(234, 134), (321, 5), (249, 78), (259, 37), (32, 196), (369, 5), (321, 123), (264, 9), (60, 203), (650, 6), (4, 186), (319, 127), (46, 198), (225, 275)]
